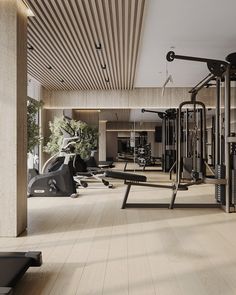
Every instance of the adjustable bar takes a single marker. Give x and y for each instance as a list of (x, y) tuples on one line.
[(172, 56), (149, 111), (215, 66)]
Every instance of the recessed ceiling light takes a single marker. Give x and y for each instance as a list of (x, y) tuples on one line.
[(98, 46)]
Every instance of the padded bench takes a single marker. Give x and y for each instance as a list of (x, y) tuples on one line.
[(130, 179), (140, 180), (126, 176), (13, 266)]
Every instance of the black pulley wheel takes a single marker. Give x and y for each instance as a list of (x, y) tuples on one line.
[(231, 58), (170, 56)]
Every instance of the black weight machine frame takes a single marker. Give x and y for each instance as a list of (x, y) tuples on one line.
[(219, 70), (168, 118)]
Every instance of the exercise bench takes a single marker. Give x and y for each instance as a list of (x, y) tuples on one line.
[(132, 179), (13, 266)]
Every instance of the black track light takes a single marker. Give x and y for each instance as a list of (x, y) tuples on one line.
[(30, 47), (98, 46)]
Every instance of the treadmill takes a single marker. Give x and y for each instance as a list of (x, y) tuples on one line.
[(13, 266)]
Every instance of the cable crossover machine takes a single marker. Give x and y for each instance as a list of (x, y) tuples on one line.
[(191, 164)]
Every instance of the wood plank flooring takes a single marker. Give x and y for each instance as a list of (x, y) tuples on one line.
[(91, 246)]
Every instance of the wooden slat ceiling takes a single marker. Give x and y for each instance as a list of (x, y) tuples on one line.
[(84, 44)]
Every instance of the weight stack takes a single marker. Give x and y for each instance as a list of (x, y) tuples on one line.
[(220, 188), (187, 168), (233, 186)]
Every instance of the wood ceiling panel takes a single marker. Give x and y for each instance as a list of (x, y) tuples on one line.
[(84, 44)]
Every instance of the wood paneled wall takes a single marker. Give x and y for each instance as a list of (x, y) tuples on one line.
[(137, 98)]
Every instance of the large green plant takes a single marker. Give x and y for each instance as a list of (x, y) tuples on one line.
[(84, 145), (33, 135)]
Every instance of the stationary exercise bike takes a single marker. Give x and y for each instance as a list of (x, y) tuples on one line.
[(83, 171), (82, 174), (59, 182)]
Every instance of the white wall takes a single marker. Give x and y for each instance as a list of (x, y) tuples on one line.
[(34, 88)]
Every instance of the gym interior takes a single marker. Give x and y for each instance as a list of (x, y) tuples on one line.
[(118, 149)]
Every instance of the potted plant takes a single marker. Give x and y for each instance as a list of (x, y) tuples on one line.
[(84, 145), (33, 134)]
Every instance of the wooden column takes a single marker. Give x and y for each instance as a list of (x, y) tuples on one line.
[(13, 110), (102, 140)]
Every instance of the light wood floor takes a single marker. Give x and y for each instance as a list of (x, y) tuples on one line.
[(91, 246)]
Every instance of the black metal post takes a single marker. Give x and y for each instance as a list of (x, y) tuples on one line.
[(227, 134), (217, 123)]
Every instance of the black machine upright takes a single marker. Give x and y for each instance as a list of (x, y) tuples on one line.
[(167, 136)]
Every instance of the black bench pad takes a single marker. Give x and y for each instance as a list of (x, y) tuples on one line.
[(12, 270), (126, 176), (13, 265)]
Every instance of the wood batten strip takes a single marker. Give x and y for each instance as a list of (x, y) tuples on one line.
[(45, 25), (75, 46), (112, 24), (65, 34), (40, 78), (102, 55), (89, 34), (106, 28), (102, 38), (44, 48), (70, 56), (140, 13), (132, 38), (42, 62), (121, 41), (41, 69)]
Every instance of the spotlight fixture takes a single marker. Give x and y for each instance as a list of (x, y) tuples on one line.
[(30, 47), (98, 46), (103, 67), (107, 80), (62, 81), (49, 67)]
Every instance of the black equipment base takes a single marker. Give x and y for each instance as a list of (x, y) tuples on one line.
[(167, 205)]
